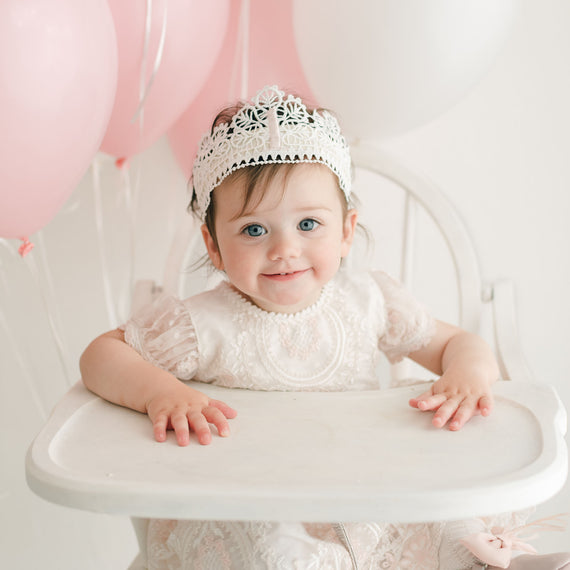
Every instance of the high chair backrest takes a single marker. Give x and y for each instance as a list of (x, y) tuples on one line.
[(433, 240)]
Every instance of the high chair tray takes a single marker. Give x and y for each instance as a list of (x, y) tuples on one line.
[(344, 456)]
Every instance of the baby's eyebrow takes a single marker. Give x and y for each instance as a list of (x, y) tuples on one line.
[(254, 213), (313, 208)]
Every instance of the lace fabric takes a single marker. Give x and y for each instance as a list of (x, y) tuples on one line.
[(164, 334), (273, 128), (408, 323), (219, 336), (233, 545), (236, 545)]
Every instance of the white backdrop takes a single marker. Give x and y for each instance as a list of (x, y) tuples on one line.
[(501, 155)]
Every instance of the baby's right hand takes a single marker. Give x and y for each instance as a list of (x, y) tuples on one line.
[(182, 408)]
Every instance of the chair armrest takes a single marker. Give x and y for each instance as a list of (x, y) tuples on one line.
[(511, 359)]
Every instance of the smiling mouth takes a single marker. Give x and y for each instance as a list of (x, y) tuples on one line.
[(284, 276)]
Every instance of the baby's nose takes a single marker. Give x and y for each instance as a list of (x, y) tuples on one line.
[(283, 246)]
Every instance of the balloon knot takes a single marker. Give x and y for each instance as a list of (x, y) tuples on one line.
[(122, 163), (26, 247)]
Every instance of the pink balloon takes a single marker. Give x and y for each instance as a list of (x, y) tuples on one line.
[(272, 60), (194, 31), (58, 69)]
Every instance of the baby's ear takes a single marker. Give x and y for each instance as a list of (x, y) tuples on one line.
[(348, 230), (212, 248)]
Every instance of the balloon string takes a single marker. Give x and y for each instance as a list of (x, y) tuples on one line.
[(57, 338), (3, 278), (131, 204), (54, 315), (186, 239), (232, 94), (15, 351), (245, 50), (144, 86), (241, 54), (28, 377), (46, 269), (139, 112), (98, 208)]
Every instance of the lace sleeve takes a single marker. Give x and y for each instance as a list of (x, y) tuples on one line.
[(409, 326), (163, 334)]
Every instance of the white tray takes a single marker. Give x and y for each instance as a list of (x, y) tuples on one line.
[(348, 456)]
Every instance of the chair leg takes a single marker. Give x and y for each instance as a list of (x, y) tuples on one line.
[(141, 528)]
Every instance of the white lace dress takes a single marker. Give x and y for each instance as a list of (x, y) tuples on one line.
[(220, 337)]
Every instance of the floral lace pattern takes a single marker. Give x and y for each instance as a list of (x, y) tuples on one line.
[(164, 335), (273, 128), (408, 324), (334, 345), (236, 545)]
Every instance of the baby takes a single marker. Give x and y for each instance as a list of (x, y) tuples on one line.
[(272, 186)]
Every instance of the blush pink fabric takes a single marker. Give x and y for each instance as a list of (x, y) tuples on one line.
[(496, 548)]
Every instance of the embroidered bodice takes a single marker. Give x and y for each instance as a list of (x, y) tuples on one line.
[(219, 336)]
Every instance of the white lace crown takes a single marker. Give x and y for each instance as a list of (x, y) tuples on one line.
[(274, 128)]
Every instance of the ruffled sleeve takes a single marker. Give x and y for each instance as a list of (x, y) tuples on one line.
[(409, 326), (163, 334)]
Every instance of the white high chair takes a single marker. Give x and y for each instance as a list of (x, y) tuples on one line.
[(385, 462)]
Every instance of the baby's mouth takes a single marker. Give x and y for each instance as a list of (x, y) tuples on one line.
[(284, 276)]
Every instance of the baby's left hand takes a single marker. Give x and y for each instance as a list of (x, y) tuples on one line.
[(455, 400)]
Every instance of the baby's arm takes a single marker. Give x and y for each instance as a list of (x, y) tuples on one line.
[(116, 372), (468, 369)]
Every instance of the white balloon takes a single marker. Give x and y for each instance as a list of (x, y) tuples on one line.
[(387, 66)]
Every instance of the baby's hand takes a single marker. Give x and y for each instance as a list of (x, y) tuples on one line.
[(455, 399), (182, 409)]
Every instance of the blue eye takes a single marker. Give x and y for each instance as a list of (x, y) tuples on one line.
[(308, 225), (255, 230)]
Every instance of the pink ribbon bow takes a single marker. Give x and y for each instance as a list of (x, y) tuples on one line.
[(496, 548)]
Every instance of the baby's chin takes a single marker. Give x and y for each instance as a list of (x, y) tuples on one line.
[(285, 304)]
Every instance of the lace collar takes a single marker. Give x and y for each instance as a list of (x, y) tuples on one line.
[(242, 304)]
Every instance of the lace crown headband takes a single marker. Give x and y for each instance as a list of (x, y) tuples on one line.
[(273, 128)]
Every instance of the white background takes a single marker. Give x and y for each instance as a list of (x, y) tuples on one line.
[(501, 155)]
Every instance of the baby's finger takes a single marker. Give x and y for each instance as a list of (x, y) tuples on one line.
[(444, 412), (228, 411), (464, 413), (180, 426), (216, 417), (485, 405), (414, 401), (159, 427), (200, 427), (428, 401)]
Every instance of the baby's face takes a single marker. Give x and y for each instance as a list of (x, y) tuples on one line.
[(281, 253)]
